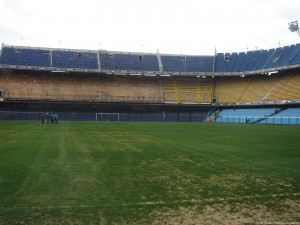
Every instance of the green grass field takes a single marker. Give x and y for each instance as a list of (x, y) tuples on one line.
[(148, 173)]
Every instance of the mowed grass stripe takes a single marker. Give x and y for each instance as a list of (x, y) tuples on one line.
[(125, 166)]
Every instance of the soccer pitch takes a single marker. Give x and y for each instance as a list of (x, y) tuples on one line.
[(148, 173)]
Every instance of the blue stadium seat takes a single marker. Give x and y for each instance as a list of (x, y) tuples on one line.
[(74, 59), (239, 62), (243, 115), (177, 63), (231, 62), (295, 55), (129, 61), (25, 57), (84, 59), (262, 116), (220, 63)]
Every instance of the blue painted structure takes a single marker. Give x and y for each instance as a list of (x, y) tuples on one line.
[(103, 60)]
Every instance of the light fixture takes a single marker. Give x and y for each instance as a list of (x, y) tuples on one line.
[(293, 26)]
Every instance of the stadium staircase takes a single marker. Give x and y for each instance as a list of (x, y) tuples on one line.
[(268, 116), (212, 115), (244, 115)]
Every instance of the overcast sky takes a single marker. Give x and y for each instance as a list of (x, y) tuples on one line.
[(172, 26)]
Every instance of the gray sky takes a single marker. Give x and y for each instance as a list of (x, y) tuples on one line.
[(172, 26)]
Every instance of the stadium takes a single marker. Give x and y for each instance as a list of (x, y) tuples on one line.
[(148, 138), (140, 86)]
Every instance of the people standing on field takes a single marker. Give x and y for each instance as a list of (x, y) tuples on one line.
[(43, 118), (52, 118), (56, 118), (47, 118)]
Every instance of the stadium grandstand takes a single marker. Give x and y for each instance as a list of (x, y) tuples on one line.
[(143, 86)]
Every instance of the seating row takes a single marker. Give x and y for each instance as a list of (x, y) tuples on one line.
[(88, 59), (258, 60), (261, 116)]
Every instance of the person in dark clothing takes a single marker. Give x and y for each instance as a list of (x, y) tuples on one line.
[(52, 117), (43, 118), (56, 118)]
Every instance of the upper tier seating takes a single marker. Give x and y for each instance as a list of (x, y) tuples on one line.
[(129, 61), (25, 57), (258, 60), (219, 63), (71, 59), (173, 63)]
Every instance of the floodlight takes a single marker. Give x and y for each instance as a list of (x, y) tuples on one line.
[(293, 26)]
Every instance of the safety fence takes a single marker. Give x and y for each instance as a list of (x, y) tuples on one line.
[(287, 120), (91, 116)]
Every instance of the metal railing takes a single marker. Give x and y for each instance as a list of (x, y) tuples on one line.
[(287, 120), (82, 97)]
